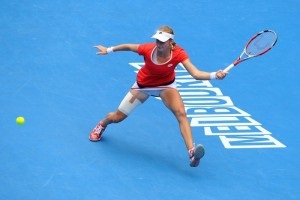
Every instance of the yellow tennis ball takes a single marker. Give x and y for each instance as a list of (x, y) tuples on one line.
[(20, 120)]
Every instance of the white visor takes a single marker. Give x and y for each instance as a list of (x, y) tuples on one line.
[(162, 36)]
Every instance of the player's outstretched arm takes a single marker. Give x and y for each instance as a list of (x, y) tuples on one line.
[(202, 75), (102, 50)]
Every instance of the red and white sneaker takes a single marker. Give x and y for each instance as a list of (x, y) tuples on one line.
[(96, 133), (196, 153)]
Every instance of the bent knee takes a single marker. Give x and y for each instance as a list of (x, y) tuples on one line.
[(179, 113), (116, 117)]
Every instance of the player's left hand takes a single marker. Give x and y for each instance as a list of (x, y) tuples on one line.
[(221, 74)]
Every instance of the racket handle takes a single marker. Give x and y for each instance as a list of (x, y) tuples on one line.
[(229, 67)]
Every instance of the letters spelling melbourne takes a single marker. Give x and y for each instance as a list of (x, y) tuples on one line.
[(207, 108)]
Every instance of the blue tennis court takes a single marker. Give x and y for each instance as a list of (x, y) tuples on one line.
[(51, 75)]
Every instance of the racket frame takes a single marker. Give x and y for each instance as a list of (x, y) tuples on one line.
[(244, 56)]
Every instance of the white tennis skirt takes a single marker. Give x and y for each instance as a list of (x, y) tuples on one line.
[(153, 91)]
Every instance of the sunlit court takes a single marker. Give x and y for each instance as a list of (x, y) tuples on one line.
[(55, 88)]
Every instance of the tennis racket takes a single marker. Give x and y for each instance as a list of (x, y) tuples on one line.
[(258, 45)]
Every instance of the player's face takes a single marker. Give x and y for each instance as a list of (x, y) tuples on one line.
[(163, 46)]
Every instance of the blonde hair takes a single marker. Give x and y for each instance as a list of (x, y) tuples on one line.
[(168, 29)]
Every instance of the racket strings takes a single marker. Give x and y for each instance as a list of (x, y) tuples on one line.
[(261, 43)]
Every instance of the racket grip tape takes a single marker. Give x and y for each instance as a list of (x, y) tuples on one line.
[(229, 67)]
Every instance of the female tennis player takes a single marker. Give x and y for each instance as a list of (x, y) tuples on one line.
[(157, 78)]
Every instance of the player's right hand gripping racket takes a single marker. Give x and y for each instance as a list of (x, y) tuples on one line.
[(258, 45)]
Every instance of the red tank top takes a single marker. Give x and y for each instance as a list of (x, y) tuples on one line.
[(151, 74)]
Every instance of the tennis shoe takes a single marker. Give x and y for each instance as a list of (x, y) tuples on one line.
[(96, 133), (196, 153)]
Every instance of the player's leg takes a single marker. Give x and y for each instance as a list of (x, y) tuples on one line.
[(132, 99), (173, 101)]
